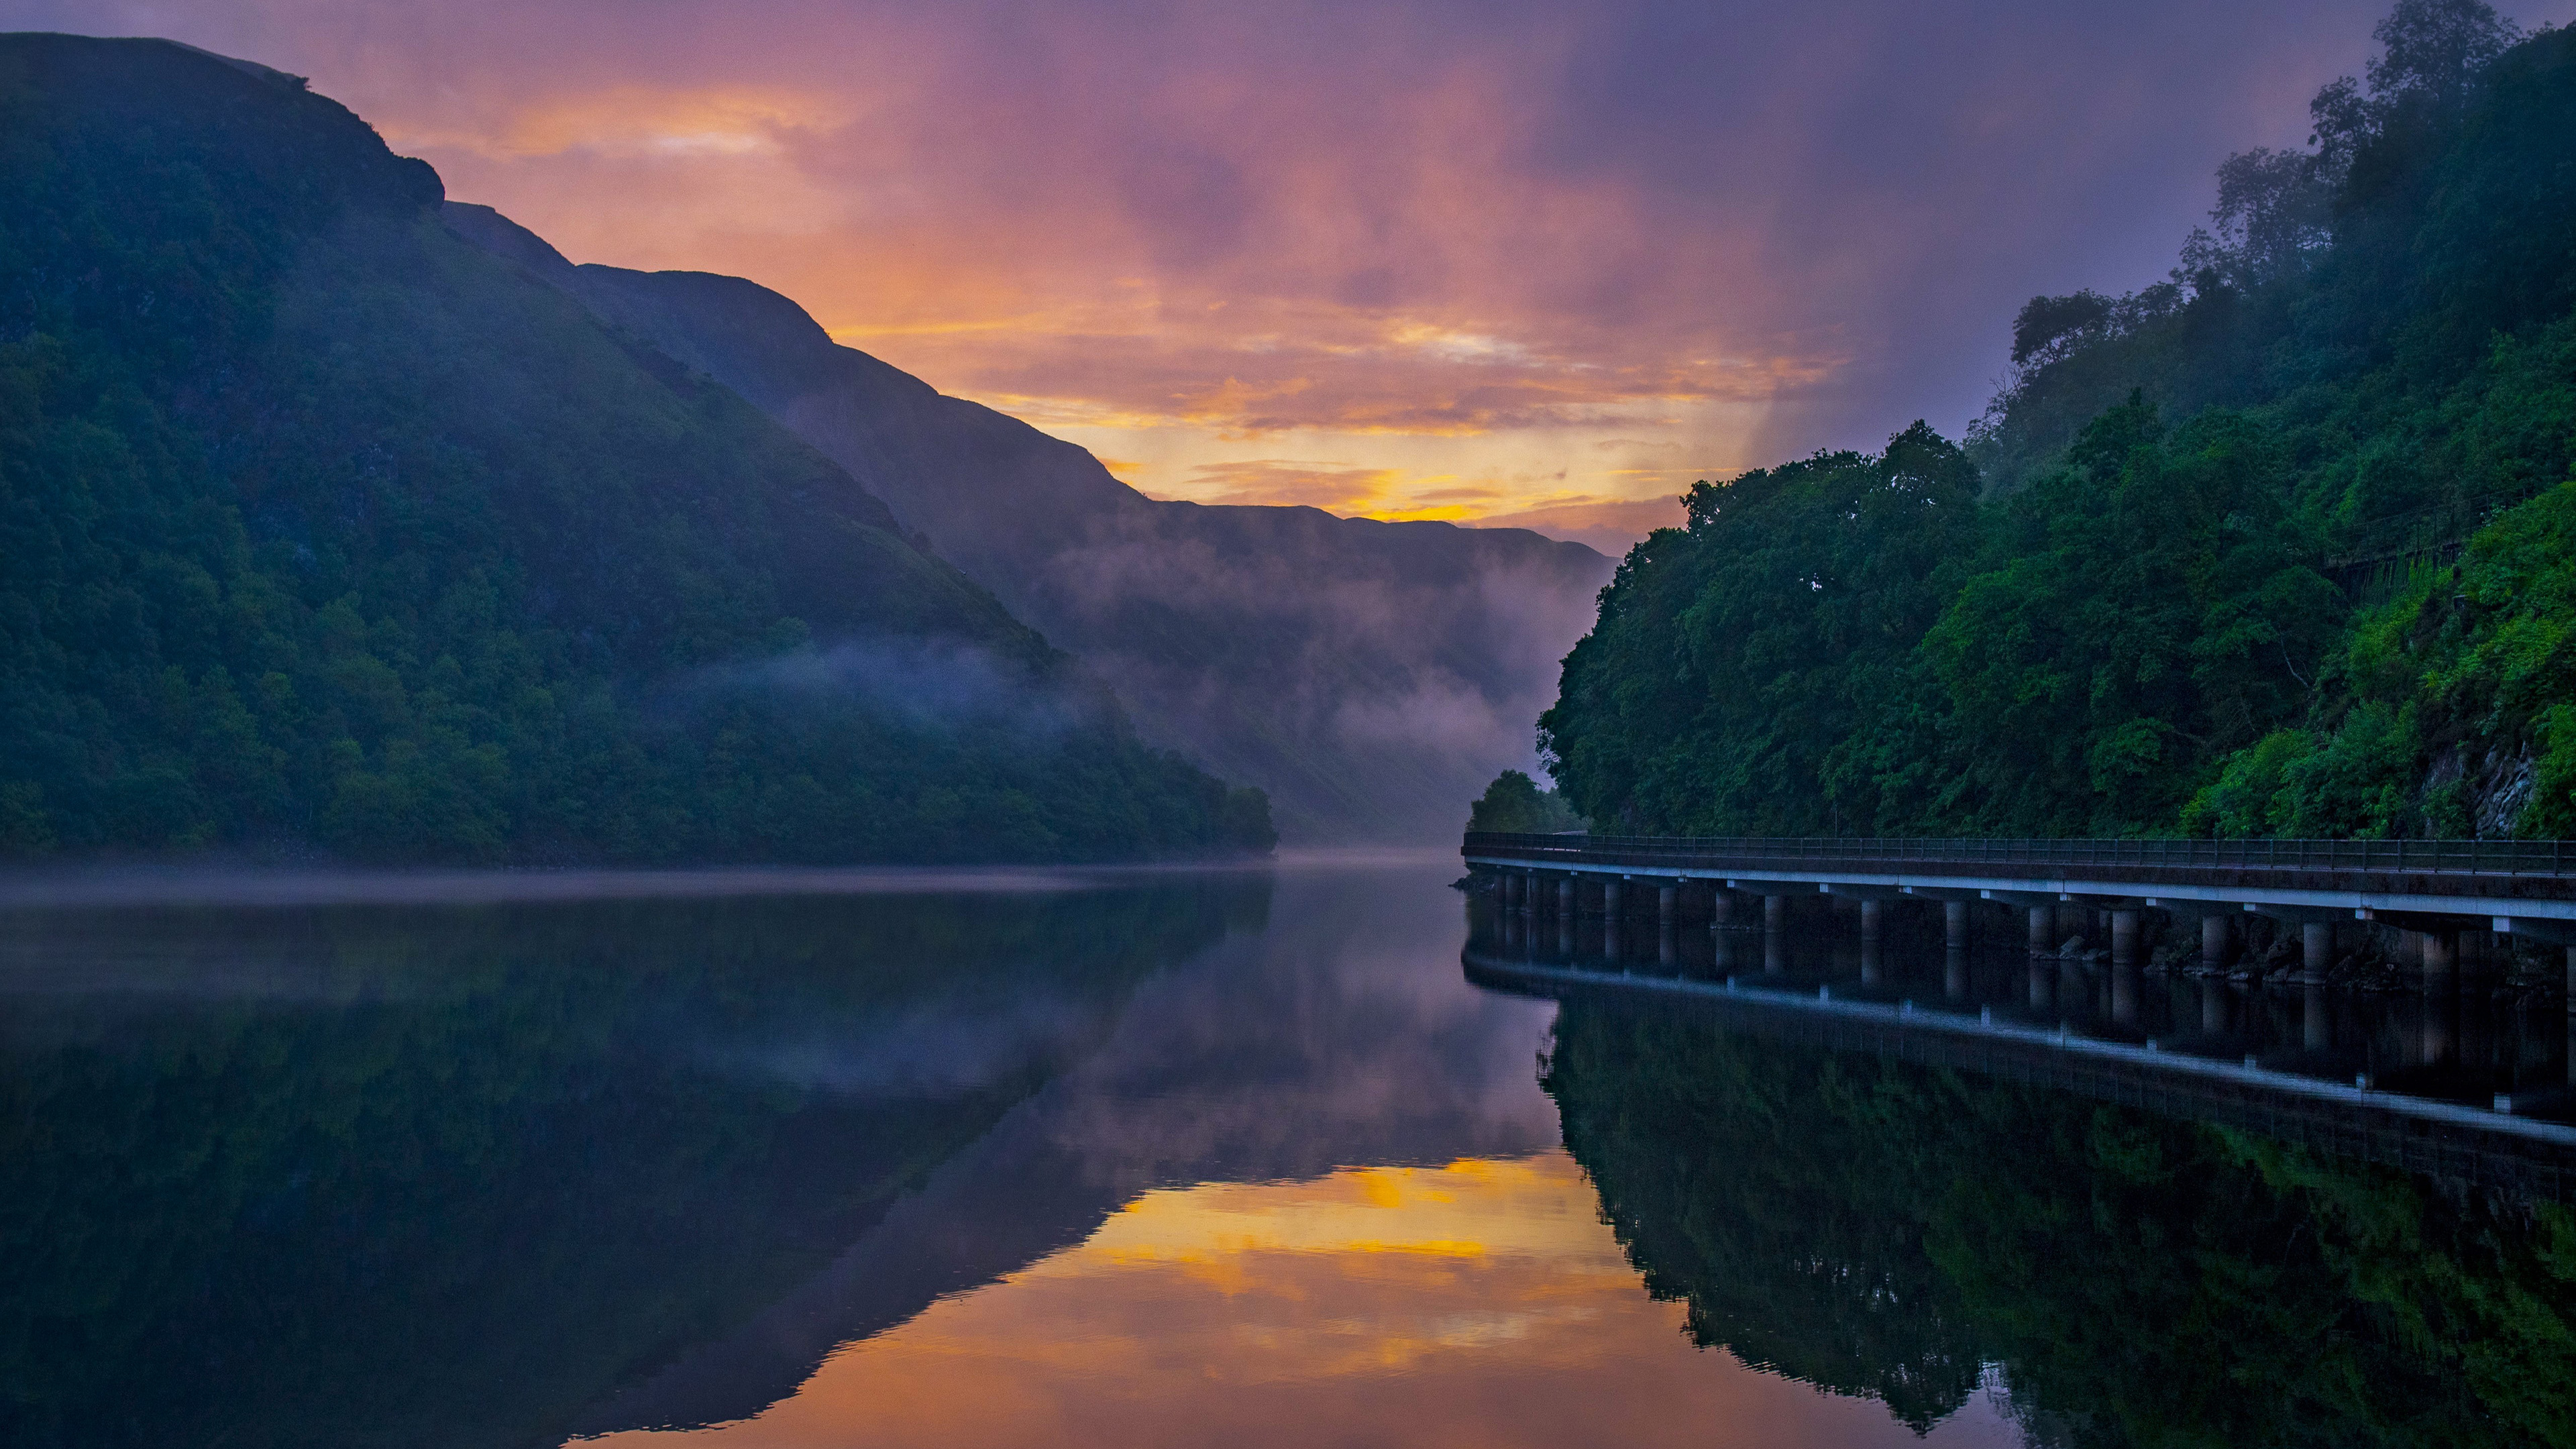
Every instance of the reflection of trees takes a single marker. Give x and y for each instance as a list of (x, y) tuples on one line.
[(1878, 1228), (473, 1168)]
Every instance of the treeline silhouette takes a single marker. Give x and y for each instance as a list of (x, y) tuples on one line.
[(2283, 545), (324, 528)]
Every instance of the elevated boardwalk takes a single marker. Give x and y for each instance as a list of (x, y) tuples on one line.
[(2527, 888)]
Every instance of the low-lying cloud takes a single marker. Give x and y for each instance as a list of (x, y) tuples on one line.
[(927, 684)]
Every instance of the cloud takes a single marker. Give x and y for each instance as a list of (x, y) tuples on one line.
[(1332, 488), (1609, 525), (1460, 240), (931, 685)]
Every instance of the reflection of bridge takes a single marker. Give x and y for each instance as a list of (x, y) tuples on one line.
[(2428, 892), (2227, 1062)]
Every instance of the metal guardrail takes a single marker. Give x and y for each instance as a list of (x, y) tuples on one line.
[(2549, 859)]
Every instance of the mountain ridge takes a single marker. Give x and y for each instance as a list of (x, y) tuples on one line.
[(1370, 675), (326, 530)]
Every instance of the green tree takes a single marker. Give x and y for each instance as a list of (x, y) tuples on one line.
[(1514, 804)]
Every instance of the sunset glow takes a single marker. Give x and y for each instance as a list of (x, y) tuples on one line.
[(1309, 1312), (1543, 265)]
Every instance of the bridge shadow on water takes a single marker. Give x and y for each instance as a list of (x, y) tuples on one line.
[(1913, 1174)]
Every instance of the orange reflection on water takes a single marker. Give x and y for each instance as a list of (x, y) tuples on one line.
[(1481, 1303)]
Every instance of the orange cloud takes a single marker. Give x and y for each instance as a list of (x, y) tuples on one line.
[(1539, 248), (1267, 480)]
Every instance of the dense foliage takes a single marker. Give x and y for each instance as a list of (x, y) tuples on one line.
[(2277, 546), (323, 528), (1514, 804), (1883, 1229)]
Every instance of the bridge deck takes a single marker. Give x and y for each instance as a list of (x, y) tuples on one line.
[(2530, 880)]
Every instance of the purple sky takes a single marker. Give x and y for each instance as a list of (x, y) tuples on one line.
[(1417, 260)]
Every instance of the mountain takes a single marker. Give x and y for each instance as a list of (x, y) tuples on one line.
[(1372, 677), (323, 528)]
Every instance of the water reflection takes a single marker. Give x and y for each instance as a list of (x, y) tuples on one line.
[(1889, 1230), (1176, 1158), (451, 1174), (1482, 1302)]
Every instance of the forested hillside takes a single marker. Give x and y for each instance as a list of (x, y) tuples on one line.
[(322, 528), (1367, 674), (2283, 545)]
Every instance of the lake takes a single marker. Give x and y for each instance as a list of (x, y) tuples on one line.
[(1258, 1156)]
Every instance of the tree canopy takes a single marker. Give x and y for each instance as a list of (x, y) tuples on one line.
[(2273, 545)]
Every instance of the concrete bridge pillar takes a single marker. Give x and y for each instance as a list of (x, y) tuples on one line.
[(1775, 912), (1668, 901), (1721, 906), (1869, 919), (1565, 896), (1667, 950), (2041, 977), (2441, 956), (2213, 1005), (2315, 1023), (1610, 896), (1954, 966), (1775, 935), (2316, 947), (2124, 937), (2213, 941), (2571, 991), (2043, 929), (2441, 1021), (1565, 930), (1516, 891), (2124, 992), (1723, 942)]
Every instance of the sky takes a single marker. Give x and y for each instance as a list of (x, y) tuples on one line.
[(1496, 262)]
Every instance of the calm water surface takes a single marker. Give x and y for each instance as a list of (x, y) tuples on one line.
[(1234, 1157)]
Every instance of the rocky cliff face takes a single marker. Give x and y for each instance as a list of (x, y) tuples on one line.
[(1371, 676)]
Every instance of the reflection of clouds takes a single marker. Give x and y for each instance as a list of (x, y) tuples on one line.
[(1481, 1302), (941, 1050)]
